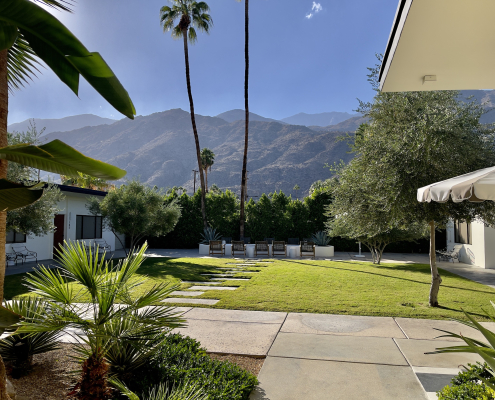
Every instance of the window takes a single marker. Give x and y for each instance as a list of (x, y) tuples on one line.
[(462, 231), (15, 237), (88, 227)]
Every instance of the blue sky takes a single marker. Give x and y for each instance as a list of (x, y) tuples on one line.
[(305, 57)]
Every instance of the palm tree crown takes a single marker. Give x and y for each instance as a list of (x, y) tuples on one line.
[(193, 15)]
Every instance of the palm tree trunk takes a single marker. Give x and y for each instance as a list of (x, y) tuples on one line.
[(246, 132), (206, 179), (4, 110), (195, 130), (436, 279)]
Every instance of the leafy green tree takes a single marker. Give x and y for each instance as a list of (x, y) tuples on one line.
[(207, 160), (192, 15), (136, 211), (414, 139)]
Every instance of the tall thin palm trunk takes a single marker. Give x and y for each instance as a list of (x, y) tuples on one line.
[(4, 110), (206, 179), (246, 105), (196, 138)]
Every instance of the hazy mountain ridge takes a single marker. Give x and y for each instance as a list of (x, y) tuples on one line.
[(321, 119), (61, 124), (160, 149)]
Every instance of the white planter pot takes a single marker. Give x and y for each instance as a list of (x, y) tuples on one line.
[(324, 251), (204, 249)]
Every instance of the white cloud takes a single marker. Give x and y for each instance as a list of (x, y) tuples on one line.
[(315, 9)]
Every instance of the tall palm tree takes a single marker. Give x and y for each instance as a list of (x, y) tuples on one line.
[(207, 160), (191, 15), (246, 106)]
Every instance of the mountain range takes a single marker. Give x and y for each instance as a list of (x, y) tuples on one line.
[(159, 149)]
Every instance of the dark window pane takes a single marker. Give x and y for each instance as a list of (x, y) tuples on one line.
[(98, 227), (79, 226), (20, 237), (462, 232), (88, 227), (10, 237)]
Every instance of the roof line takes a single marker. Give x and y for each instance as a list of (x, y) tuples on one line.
[(75, 189), (391, 39)]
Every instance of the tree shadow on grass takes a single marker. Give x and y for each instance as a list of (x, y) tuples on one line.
[(400, 268), (185, 271)]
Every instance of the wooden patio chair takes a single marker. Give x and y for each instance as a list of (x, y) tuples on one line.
[(307, 249), (238, 247), (279, 249), (217, 248), (261, 248)]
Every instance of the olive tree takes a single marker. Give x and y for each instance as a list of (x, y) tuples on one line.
[(136, 210), (414, 139)]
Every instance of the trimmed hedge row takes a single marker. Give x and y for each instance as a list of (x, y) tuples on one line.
[(274, 215)]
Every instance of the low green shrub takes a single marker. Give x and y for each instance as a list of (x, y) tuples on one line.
[(468, 386), (182, 359)]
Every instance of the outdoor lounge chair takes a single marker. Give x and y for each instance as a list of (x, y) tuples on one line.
[(269, 240), (22, 253), (307, 249), (238, 247), (10, 257), (444, 255), (279, 249), (261, 248), (217, 248), (102, 245), (293, 241)]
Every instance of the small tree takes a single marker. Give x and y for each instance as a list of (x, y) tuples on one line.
[(136, 211)]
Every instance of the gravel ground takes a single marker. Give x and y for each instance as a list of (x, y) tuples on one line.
[(50, 378)]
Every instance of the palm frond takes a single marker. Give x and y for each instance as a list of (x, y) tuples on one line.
[(22, 64), (63, 5)]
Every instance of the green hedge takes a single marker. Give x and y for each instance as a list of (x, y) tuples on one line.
[(182, 359), (274, 215)]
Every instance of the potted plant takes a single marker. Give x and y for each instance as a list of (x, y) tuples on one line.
[(207, 235), (322, 249)]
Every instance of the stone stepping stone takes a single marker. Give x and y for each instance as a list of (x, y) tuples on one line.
[(213, 288), (229, 279), (207, 302), (242, 272), (185, 293), (216, 274), (202, 283)]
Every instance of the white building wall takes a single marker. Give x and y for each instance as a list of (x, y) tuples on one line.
[(72, 205)]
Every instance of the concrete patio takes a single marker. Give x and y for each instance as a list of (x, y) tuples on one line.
[(309, 356)]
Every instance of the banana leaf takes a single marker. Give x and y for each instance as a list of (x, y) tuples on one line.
[(62, 51), (60, 158), (15, 195), (7, 319)]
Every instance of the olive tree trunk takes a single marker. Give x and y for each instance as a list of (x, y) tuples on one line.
[(195, 130), (246, 105), (4, 110), (436, 280)]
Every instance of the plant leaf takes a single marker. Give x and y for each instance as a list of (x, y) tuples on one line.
[(8, 35), (8, 318), (99, 75), (15, 195), (60, 158)]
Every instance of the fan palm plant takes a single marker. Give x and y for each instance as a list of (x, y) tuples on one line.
[(104, 306), (207, 160), (192, 15), (186, 391)]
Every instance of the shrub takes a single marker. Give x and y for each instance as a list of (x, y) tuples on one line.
[(19, 349), (181, 359), (467, 385)]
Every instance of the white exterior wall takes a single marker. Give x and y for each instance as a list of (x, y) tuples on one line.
[(74, 204), (481, 252)]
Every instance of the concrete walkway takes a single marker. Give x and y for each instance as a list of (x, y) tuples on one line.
[(320, 356)]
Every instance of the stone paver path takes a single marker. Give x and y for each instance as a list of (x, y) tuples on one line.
[(320, 356)]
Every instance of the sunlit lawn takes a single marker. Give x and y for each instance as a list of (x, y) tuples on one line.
[(399, 290)]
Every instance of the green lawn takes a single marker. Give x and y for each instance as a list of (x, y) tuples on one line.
[(399, 290)]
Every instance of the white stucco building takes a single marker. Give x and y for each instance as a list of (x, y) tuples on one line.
[(477, 243), (73, 222)]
